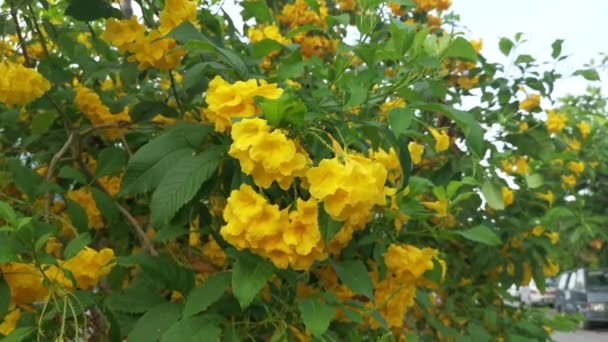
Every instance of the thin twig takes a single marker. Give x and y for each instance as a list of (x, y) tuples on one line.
[(20, 37), (104, 126), (126, 144), (174, 88), (49, 174), (143, 238), (38, 30)]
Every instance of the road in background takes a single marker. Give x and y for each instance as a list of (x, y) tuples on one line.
[(599, 334)]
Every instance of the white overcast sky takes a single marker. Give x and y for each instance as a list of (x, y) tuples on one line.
[(582, 24)]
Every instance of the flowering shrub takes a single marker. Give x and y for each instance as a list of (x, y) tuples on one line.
[(167, 176)]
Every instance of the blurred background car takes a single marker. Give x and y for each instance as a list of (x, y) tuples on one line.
[(584, 291), (531, 295)]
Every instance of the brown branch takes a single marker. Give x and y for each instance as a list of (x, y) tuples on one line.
[(20, 37), (104, 126), (49, 174)]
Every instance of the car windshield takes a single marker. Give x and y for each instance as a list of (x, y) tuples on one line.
[(597, 279)]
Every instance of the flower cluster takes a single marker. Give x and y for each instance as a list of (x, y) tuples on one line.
[(299, 14), (176, 12), (442, 140), (530, 103), (460, 72), (84, 198), (315, 45), (405, 265), (27, 282), (429, 5), (267, 155), (350, 186), (89, 103), (20, 85), (227, 101), (272, 32), (288, 239), (149, 50), (556, 122)]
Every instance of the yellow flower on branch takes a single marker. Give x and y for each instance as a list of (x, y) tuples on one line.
[(576, 167), (556, 122), (442, 140), (530, 103), (20, 85), (548, 196), (507, 196), (584, 128), (416, 151)]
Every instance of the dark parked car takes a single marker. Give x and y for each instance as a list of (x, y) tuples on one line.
[(585, 291)]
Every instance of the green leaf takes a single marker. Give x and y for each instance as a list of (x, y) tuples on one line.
[(153, 324), (151, 162), (7, 213), (353, 274), (166, 273), (42, 122), (588, 74), (233, 60), (492, 195), (258, 10), (316, 315), (462, 49), (181, 183), (76, 245), (283, 109), (185, 32), (77, 215), (402, 36), (19, 334), (68, 172), (192, 329), (481, 234), (505, 45), (26, 179), (110, 162), (146, 110), (534, 180), (249, 275), (134, 300), (466, 122), (208, 293), (400, 120), (328, 226), (41, 241), (106, 206), (87, 10), (5, 297), (556, 48), (264, 47)]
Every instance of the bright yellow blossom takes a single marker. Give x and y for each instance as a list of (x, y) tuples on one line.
[(576, 167), (416, 151), (530, 103), (89, 266), (584, 128), (556, 122), (20, 85), (10, 321), (442, 140), (227, 101), (547, 197), (440, 207), (507, 196), (568, 181)]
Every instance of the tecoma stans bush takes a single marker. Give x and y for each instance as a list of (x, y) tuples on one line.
[(167, 176)]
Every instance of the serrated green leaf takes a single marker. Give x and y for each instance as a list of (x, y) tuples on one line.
[(26, 179), (87, 10), (462, 49), (19, 334), (42, 122), (167, 273), (588, 74), (68, 172), (328, 226), (353, 274), (110, 161), (481, 234), (492, 195), (400, 120), (134, 300), (106, 206), (146, 110), (5, 297), (505, 45), (316, 315), (181, 183), (76, 245), (193, 329), (556, 48), (7, 213), (151, 162), (208, 293), (264, 47), (153, 324), (249, 275), (77, 215)]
